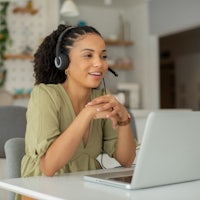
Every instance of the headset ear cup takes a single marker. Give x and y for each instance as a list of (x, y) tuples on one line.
[(62, 61)]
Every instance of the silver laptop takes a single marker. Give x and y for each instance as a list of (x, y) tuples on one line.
[(169, 153)]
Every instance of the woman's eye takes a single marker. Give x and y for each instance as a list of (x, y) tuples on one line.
[(104, 57), (88, 55)]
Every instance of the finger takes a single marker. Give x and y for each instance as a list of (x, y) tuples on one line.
[(116, 110), (99, 100), (110, 104), (107, 106), (100, 115)]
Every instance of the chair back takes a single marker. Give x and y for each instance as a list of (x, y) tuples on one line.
[(14, 151), (12, 145), (12, 124), (133, 126)]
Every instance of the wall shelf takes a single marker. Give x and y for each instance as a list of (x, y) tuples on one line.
[(21, 96), (122, 66), (118, 42), (18, 56), (25, 10)]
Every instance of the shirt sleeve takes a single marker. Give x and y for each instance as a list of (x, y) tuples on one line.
[(42, 120)]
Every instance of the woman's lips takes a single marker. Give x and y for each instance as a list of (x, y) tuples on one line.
[(95, 73)]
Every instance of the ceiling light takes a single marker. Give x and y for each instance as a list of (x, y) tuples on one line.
[(107, 2), (69, 9)]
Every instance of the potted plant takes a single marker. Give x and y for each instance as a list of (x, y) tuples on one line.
[(4, 39)]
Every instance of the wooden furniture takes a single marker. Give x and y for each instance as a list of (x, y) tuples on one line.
[(27, 9), (118, 42), (19, 56)]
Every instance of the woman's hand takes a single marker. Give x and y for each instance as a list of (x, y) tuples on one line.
[(108, 107)]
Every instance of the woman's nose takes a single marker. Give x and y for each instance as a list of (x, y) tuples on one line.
[(97, 62)]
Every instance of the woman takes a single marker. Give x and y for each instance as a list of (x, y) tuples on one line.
[(69, 121)]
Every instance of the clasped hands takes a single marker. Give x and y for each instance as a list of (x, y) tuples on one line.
[(108, 106)]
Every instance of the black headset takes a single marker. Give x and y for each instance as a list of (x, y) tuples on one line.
[(62, 60)]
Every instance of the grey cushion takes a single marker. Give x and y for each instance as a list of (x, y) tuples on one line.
[(12, 124), (14, 151)]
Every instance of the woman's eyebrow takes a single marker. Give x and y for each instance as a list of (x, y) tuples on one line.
[(92, 50), (87, 50)]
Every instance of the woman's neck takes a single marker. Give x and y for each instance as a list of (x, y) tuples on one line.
[(79, 96)]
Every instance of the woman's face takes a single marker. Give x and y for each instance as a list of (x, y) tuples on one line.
[(88, 61)]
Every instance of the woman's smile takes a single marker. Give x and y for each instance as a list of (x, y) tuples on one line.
[(96, 74)]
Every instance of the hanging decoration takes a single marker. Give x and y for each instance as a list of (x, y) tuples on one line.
[(4, 39)]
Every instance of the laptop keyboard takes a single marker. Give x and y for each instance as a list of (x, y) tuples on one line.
[(124, 176), (126, 179)]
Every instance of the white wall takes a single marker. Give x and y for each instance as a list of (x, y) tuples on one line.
[(145, 57), (173, 15), (52, 18)]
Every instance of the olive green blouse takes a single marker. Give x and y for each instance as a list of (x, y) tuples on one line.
[(49, 113)]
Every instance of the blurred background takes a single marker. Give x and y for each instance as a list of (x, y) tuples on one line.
[(154, 46)]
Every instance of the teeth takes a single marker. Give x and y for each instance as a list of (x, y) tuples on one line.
[(95, 73)]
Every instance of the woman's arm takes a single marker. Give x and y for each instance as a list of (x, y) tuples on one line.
[(64, 147), (126, 147)]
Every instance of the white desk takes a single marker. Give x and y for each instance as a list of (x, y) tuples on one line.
[(73, 187)]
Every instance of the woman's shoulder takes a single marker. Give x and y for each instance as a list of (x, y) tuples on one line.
[(45, 96), (47, 90)]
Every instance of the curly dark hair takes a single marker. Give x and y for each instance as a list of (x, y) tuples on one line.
[(44, 67)]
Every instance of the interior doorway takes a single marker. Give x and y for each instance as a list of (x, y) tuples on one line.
[(180, 70)]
